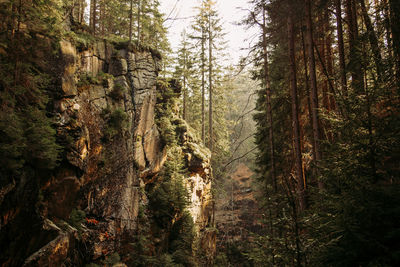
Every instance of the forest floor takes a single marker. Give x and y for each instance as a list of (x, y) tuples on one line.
[(237, 212)]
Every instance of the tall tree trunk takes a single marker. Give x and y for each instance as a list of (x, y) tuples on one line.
[(210, 106), (268, 102), (323, 52), (102, 17), (325, 83), (94, 16), (295, 115), (184, 79), (184, 99), (395, 29), (388, 36), (77, 11), (305, 61), (130, 20), (329, 60), (326, 61), (313, 85), (357, 80), (91, 14), (373, 40), (203, 66), (342, 62), (139, 11), (82, 10), (16, 40)]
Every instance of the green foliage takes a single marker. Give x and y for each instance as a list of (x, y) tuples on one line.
[(41, 147), (117, 92), (359, 207), (167, 97), (27, 138), (138, 249), (111, 259), (221, 260), (166, 260), (351, 222), (103, 77), (167, 131), (81, 39), (116, 122), (12, 143), (76, 218), (168, 198), (181, 240), (86, 79)]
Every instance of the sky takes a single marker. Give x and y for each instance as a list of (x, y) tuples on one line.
[(231, 11)]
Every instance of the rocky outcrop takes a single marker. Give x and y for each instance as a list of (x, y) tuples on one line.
[(198, 184), (108, 169), (105, 120)]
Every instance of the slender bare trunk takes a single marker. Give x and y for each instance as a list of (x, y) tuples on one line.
[(82, 14), (184, 99), (395, 29), (314, 92), (139, 6), (94, 16), (329, 100), (307, 82), (184, 80), (268, 102), (388, 36), (342, 62), (130, 20), (373, 40), (210, 105), (295, 115), (91, 14), (102, 17), (356, 70), (323, 52), (203, 63), (329, 62)]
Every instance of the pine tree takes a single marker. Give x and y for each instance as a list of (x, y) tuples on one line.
[(182, 70), (199, 36), (342, 221)]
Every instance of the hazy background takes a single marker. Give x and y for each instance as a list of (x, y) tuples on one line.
[(179, 14)]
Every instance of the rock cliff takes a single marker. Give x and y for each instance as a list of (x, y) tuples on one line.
[(115, 150)]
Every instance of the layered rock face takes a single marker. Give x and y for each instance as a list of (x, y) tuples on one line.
[(113, 149)]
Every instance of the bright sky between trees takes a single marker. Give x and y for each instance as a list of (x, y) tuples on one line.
[(180, 14)]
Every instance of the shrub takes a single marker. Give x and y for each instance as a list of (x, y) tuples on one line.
[(118, 92), (86, 79), (81, 39), (116, 122), (118, 119), (41, 147), (112, 259), (76, 218), (167, 131)]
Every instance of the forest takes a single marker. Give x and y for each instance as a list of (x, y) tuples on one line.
[(126, 143)]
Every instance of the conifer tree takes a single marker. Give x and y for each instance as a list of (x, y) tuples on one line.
[(200, 38)]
